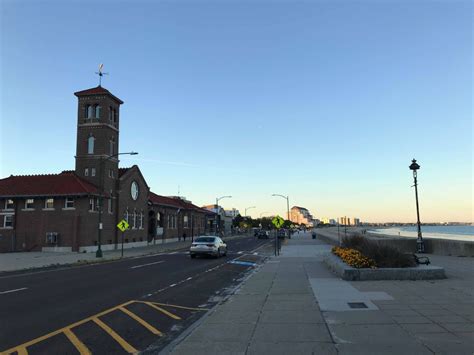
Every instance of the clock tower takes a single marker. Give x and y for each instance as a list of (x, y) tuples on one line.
[(98, 113)]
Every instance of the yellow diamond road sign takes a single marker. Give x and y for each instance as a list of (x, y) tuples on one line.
[(278, 221), (123, 225)]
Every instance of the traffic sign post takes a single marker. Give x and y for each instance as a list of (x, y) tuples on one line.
[(277, 222), (123, 226)]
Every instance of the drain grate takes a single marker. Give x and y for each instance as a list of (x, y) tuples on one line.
[(357, 304)]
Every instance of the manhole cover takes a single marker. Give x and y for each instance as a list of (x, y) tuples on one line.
[(357, 304)]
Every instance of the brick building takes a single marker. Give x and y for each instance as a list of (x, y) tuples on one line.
[(62, 212)]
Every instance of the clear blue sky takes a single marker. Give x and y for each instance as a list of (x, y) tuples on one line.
[(326, 101)]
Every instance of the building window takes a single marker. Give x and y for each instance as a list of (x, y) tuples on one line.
[(69, 202), (89, 111), (110, 205), (126, 215), (97, 111), (91, 204), (115, 116), (112, 146), (8, 204), (111, 173), (169, 221), (86, 172), (8, 221), (49, 203), (29, 204), (111, 114), (90, 145), (134, 219), (92, 171), (142, 219), (185, 222), (97, 204)]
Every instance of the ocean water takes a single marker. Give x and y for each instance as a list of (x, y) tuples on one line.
[(464, 232)]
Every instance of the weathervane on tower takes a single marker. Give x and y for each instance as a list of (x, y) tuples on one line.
[(100, 73)]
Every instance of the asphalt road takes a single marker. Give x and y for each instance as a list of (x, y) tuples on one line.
[(121, 306)]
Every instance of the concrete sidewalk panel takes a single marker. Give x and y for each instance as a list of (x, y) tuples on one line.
[(223, 316), (388, 334), (423, 328), (281, 332), (205, 348), (377, 349), (447, 343), (291, 316), (289, 305), (213, 332), (368, 317), (411, 320), (286, 348)]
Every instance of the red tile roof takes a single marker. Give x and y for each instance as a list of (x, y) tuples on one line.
[(175, 202), (65, 184), (97, 90)]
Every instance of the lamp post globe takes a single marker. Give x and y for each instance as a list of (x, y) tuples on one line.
[(420, 245)]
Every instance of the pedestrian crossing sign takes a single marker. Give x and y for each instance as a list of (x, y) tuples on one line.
[(123, 225), (278, 221)]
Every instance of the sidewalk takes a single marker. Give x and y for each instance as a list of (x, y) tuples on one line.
[(34, 260), (294, 305)]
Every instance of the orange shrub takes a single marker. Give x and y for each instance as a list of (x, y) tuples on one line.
[(354, 258)]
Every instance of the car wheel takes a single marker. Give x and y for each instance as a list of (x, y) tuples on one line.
[(218, 253), (193, 256)]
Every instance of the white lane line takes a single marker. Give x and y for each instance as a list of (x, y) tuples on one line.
[(172, 285), (138, 266), (240, 252), (15, 290)]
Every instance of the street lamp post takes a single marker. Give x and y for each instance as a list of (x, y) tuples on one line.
[(98, 253), (420, 245), (287, 204), (247, 208), (217, 212)]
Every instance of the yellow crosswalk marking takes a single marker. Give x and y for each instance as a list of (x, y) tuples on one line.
[(169, 314), (126, 346), (176, 306), (76, 342), (141, 321)]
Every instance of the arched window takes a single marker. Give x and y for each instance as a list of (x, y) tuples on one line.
[(126, 215), (90, 145), (97, 111), (112, 146), (89, 111), (134, 219)]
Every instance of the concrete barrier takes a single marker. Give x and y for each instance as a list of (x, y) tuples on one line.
[(349, 273)]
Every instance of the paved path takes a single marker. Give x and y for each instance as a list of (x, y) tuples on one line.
[(294, 305)]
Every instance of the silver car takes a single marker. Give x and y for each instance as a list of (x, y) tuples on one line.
[(213, 246)]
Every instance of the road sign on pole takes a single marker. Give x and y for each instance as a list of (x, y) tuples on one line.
[(278, 222), (123, 225)]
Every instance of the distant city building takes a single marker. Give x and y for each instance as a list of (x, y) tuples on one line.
[(325, 220), (232, 213), (301, 215), (332, 221), (356, 221)]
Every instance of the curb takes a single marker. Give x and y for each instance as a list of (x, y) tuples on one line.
[(349, 273)]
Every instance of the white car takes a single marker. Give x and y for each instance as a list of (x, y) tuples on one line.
[(213, 246)]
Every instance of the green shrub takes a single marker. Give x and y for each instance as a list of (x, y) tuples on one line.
[(383, 255)]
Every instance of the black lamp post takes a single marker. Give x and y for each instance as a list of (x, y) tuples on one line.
[(420, 245), (98, 253), (217, 213)]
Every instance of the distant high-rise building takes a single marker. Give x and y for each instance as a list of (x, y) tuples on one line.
[(356, 221), (301, 215)]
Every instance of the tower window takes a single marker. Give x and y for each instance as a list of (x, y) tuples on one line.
[(97, 111), (90, 145), (112, 145), (89, 111), (111, 114), (126, 215), (92, 171), (8, 204), (86, 172)]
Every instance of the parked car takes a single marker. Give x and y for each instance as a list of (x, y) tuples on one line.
[(213, 246), (263, 234)]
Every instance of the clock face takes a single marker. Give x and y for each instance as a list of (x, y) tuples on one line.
[(134, 190)]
